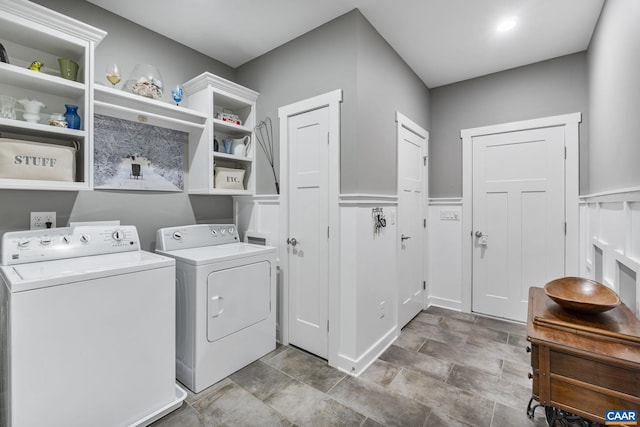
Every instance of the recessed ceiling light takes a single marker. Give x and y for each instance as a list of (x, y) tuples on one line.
[(507, 24)]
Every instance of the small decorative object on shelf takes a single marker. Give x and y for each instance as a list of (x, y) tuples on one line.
[(177, 93), (4, 57), (71, 116), (229, 118), (36, 65), (68, 69), (57, 120), (7, 107), (145, 81), (113, 74), (31, 109)]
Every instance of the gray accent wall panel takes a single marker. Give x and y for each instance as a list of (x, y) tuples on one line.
[(553, 87), (614, 98)]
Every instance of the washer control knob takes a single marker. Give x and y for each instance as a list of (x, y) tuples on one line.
[(45, 241), (223, 231), (118, 235), (66, 239), (214, 232), (177, 235), (84, 238), (24, 243), (231, 229)]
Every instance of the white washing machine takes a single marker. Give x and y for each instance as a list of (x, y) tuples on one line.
[(87, 329), (226, 307)]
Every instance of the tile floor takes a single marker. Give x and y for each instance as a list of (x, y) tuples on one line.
[(446, 369)]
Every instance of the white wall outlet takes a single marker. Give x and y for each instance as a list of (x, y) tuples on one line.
[(43, 220)]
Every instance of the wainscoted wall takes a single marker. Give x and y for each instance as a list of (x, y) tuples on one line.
[(368, 282), (610, 242), (444, 240)]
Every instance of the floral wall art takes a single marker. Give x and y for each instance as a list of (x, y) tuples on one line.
[(137, 156)]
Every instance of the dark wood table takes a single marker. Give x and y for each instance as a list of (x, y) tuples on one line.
[(583, 364)]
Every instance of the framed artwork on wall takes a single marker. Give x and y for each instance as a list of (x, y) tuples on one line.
[(137, 156)]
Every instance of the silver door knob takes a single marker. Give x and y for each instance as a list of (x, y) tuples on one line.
[(292, 241), (478, 234), (403, 237)]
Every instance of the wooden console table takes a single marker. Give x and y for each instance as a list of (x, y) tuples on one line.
[(584, 364)]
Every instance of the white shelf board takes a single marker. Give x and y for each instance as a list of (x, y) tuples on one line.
[(29, 184), (229, 127), (124, 105), (17, 76), (232, 157), (39, 129)]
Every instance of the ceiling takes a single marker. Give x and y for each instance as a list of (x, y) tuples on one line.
[(443, 41)]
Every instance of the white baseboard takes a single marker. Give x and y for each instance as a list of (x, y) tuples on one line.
[(444, 303), (358, 366)]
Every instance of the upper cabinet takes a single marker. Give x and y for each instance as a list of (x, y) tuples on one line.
[(28, 33), (222, 157)]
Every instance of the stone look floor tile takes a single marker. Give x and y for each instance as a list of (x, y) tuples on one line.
[(378, 403), (306, 368), (507, 416), (260, 379), (490, 386), (466, 355), (500, 350), (417, 361), (445, 399), (502, 325), (435, 333), (306, 406), (380, 372), (185, 416), (436, 419), (467, 317), (233, 406), (517, 374), (409, 340), (193, 397)]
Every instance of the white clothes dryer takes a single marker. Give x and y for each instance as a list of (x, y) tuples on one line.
[(226, 301), (87, 329)]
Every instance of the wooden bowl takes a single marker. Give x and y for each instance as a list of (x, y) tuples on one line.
[(583, 295)]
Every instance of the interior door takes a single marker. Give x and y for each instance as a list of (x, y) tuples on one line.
[(518, 218), (411, 189), (308, 246)]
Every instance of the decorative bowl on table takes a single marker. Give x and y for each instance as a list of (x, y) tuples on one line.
[(145, 81), (582, 295)]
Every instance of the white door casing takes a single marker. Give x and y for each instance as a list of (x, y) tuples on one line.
[(518, 218), (308, 244), (412, 143), (569, 127), (331, 100)]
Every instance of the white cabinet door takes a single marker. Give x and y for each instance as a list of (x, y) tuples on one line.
[(411, 186), (308, 225), (518, 218)]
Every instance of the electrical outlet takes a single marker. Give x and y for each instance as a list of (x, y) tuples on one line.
[(40, 220)]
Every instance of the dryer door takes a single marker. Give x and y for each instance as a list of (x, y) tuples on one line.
[(238, 297)]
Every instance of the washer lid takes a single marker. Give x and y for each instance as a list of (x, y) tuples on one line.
[(210, 254), (34, 275)]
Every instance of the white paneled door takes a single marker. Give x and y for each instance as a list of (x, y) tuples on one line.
[(412, 166), (308, 246), (518, 217)]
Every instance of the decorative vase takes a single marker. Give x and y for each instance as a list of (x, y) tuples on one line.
[(31, 109), (68, 69), (71, 116), (146, 81)]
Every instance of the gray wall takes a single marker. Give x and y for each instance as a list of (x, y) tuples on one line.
[(614, 98), (553, 87), (126, 44), (348, 54)]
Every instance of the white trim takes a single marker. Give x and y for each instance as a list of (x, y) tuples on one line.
[(445, 201), (331, 100), (444, 303), (357, 366), (368, 199), (625, 195), (572, 245)]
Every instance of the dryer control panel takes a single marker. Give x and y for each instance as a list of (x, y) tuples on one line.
[(195, 236), (19, 247)]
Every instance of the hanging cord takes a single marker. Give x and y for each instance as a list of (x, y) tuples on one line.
[(264, 135)]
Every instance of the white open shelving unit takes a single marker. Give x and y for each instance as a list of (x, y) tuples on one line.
[(211, 94)]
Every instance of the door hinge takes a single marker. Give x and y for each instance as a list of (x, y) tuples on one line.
[(327, 325), (328, 138), (424, 159), (424, 223), (565, 228), (424, 285), (565, 153), (327, 232)]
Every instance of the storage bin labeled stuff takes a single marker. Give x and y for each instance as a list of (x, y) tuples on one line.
[(228, 178), (36, 160)]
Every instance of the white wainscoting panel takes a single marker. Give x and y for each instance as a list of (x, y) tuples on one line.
[(610, 242), (260, 214), (368, 288), (444, 237)]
